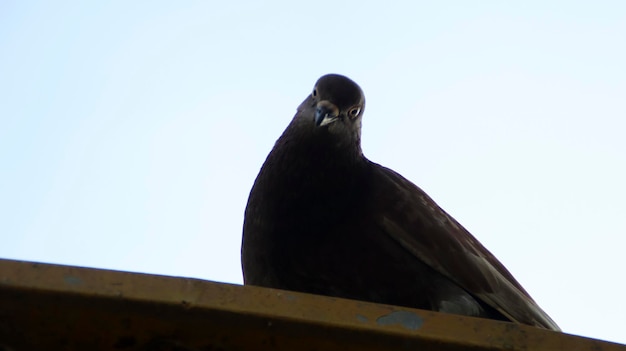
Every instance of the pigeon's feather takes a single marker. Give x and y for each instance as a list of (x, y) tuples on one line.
[(410, 217)]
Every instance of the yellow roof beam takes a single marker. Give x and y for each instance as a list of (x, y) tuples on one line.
[(53, 307)]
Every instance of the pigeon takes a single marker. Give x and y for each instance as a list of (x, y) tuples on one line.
[(323, 219)]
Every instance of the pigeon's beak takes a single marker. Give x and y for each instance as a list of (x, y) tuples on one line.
[(325, 113)]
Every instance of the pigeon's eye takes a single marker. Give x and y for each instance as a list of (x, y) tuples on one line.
[(354, 112), (314, 93)]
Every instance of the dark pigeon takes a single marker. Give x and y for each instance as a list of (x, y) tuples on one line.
[(323, 219)]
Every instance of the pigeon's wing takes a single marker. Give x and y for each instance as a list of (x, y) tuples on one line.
[(410, 217)]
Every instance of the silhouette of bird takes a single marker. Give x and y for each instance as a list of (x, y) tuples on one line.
[(323, 219)]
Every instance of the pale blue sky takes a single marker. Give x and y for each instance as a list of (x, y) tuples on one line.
[(131, 132)]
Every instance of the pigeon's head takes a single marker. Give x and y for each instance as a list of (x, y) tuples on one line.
[(335, 106)]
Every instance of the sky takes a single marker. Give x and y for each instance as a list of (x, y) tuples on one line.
[(132, 132)]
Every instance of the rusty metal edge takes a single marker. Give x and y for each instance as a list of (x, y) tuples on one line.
[(335, 316)]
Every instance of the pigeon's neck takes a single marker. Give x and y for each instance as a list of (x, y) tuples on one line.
[(311, 170), (305, 174), (319, 155)]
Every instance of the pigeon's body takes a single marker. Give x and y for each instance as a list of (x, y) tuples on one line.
[(323, 219)]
